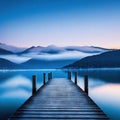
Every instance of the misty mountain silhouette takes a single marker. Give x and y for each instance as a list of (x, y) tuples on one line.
[(38, 57)]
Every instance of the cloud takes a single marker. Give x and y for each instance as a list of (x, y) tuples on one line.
[(63, 55)]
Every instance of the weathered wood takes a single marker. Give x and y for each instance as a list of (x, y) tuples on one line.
[(59, 99), (51, 75), (86, 84), (44, 78), (33, 84), (69, 75), (76, 78)]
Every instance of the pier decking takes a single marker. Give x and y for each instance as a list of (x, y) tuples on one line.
[(59, 99)]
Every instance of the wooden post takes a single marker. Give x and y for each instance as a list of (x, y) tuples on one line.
[(48, 76), (51, 75), (33, 84), (76, 78), (69, 75), (44, 78), (86, 84)]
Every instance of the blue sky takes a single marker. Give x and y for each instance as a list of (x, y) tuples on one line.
[(60, 22)]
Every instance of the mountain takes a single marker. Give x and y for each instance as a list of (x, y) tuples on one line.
[(45, 64), (47, 57), (33, 49), (11, 48), (6, 64), (4, 52), (52, 49), (109, 59)]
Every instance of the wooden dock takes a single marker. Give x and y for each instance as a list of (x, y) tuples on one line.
[(59, 99)]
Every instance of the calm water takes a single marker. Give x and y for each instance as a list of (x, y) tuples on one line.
[(104, 88)]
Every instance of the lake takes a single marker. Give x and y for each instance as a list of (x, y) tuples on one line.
[(104, 88)]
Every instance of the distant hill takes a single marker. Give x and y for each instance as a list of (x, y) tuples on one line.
[(4, 52), (109, 59), (6, 64), (45, 64)]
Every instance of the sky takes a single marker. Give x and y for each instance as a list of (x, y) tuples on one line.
[(26, 23)]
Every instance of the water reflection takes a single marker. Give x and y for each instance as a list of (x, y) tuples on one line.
[(108, 98), (16, 87), (104, 89), (112, 76)]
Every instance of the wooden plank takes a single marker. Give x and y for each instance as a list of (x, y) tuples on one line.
[(59, 99)]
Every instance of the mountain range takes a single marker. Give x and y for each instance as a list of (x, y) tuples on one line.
[(44, 57), (109, 59), (52, 49)]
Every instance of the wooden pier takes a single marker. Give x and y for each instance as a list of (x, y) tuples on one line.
[(59, 99)]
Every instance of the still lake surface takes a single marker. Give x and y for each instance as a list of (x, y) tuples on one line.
[(104, 88)]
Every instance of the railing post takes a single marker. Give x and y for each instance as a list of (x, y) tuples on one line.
[(86, 84), (33, 84), (69, 75), (51, 76), (76, 78), (48, 76), (44, 78)]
